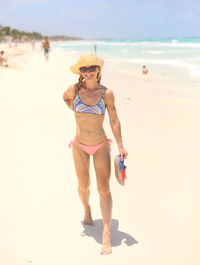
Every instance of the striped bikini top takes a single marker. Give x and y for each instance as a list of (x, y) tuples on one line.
[(99, 108)]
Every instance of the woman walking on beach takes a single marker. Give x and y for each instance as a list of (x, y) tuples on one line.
[(46, 48), (89, 99)]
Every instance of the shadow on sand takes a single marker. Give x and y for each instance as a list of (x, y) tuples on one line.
[(117, 237)]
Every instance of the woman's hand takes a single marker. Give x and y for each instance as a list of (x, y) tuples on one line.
[(123, 153)]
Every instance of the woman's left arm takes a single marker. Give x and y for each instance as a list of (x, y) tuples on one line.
[(114, 122)]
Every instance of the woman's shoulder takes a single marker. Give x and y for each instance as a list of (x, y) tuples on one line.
[(73, 87), (108, 96), (108, 92), (71, 90)]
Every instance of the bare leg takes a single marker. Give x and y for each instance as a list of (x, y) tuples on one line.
[(82, 163), (102, 169)]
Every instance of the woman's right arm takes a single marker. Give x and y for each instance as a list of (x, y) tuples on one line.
[(68, 96)]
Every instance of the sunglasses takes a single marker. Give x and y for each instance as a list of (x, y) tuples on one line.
[(91, 68)]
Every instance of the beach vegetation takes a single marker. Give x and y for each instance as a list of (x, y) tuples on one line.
[(7, 33), (19, 35)]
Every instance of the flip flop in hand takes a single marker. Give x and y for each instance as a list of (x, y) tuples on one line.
[(120, 170)]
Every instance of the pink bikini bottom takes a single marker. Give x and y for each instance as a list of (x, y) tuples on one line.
[(90, 149)]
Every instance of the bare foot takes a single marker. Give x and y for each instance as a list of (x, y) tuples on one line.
[(106, 246), (88, 218)]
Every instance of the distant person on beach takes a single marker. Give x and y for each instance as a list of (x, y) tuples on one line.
[(46, 47), (3, 59), (89, 100), (95, 48), (10, 43), (33, 44), (144, 70)]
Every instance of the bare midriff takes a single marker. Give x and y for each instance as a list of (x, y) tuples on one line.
[(89, 128)]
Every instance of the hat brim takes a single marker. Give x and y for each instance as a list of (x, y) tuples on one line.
[(75, 69)]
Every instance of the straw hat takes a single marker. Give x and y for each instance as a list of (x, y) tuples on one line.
[(87, 59)]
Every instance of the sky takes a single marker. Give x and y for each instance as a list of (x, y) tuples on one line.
[(118, 19)]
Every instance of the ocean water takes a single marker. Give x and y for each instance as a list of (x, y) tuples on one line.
[(181, 53)]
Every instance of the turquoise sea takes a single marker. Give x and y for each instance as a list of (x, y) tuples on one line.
[(180, 53)]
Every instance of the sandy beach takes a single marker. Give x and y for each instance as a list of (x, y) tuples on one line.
[(155, 216)]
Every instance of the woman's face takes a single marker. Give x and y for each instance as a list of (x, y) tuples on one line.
[(90, 72)]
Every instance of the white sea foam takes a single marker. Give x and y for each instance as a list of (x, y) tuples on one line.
[(150, 61), (194, 70), (178, 44), (173, 43), (124, 50), (156, 52)]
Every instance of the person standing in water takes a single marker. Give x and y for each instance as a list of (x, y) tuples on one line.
[(89, 100), (144, 70), (95, 48)]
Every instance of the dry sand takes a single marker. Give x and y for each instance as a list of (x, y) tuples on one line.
[(155, 216)]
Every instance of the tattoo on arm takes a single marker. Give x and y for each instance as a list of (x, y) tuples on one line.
[(68, 100)]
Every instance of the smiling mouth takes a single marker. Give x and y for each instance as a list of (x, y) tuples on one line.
[(89, 75)]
